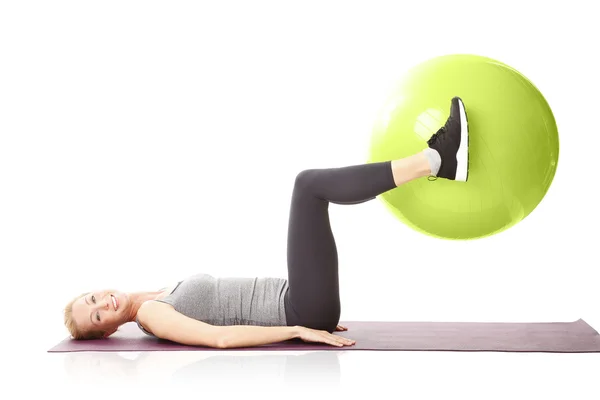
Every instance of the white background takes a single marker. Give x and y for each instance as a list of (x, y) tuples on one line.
[(141, 142)]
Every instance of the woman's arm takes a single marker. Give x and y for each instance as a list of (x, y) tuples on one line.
[(250, 335), (245, 336), (163, 321)]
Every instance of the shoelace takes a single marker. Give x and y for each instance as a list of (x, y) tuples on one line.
[(436, 135), (431, 141)]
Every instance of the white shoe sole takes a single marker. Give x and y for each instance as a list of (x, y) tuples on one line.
[(462, 155)]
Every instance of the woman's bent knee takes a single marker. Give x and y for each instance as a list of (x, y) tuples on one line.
[(305, 179)]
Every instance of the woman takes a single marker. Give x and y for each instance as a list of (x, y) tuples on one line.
[(242, 312)]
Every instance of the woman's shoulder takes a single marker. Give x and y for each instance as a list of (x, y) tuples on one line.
[(153, 304), (167, 290), (151, 311)]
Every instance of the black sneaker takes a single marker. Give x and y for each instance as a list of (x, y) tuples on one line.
[(451, 141)]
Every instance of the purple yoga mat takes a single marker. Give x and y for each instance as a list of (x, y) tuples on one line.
[(552, 337)]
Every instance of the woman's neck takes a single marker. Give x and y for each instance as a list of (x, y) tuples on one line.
[(138, 298)]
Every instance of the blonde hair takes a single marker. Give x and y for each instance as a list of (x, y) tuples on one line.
[(77, 333)]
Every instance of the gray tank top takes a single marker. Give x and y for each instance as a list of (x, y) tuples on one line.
[(229, 301)]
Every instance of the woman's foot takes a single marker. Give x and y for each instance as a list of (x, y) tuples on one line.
[(451, 141)]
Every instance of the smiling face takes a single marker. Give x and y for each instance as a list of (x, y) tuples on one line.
[(101, 311)]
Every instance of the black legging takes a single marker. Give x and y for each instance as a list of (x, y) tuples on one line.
[(313, 298)]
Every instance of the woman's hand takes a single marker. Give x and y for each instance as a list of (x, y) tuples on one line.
[(341, 328), (322, 336)]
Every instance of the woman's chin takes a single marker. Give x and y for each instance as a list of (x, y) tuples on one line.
[(122, 301)]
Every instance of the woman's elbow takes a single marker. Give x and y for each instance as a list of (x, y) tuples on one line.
[(223, 340), (205, 341)]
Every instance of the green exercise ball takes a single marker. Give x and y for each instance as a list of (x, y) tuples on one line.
[(513, 146)]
